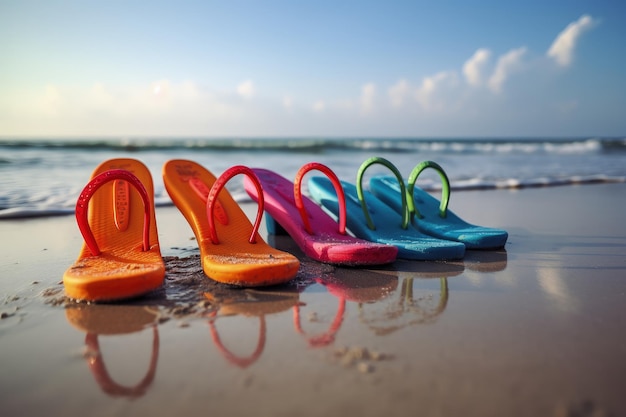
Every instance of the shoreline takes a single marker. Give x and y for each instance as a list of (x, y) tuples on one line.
[(17, 213), (535, 329)]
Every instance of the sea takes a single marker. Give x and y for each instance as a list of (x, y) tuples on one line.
[(43, 177)]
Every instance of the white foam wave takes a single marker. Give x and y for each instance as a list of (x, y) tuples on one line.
[(58, 207)]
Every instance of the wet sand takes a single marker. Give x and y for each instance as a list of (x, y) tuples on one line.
[(536, 329)]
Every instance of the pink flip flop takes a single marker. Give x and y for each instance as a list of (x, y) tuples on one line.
[(315, 232)]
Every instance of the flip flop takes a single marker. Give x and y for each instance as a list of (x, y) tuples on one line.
[(231, 251), (433, 217), (292, 213), (373, 220), (106, 319), (120, 257)]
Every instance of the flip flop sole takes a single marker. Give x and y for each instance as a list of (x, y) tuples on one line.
[(452, 227), (411, 243), (233, 260), (116, 218), (325, 244)]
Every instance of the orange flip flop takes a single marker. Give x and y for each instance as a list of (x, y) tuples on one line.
[(231, 250), (121, 257)]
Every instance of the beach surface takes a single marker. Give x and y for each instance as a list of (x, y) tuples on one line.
[(536, 329)]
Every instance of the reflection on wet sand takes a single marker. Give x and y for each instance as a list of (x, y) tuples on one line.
[(326, 338), (109, 320), (353, 285), (242, 362), (386, 299), (406, 310), (486, 260), (415, 302), (248, 303)]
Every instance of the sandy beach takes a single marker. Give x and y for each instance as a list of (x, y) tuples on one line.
[(536, 329)]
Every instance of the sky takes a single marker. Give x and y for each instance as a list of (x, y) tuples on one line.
[(312, 68)]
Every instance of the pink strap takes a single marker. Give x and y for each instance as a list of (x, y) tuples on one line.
[(88, 192), (215, 191), (297, 193), (327, 337)]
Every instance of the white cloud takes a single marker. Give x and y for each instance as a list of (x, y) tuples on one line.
[(562, 49), (507, 64), (102, 109), (50, 102), (191, 91), (398, 92), (368, 94), (474, 67), (172, 108), (343, 105), (319, 106), (432, 94), (288, 103), (246, 89)]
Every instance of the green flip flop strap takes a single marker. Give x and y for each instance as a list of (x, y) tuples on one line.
[(445, 188), (359, 190)]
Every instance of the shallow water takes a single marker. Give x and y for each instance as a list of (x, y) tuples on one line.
[(44, 177)]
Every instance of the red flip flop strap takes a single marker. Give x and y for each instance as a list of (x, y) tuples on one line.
[(102, 376), (240, 361), (90, 189), (297, 194), (215, 191)]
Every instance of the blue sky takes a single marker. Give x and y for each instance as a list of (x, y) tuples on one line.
[(322, 68)]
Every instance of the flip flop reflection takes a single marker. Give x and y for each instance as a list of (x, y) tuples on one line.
[(415, 302), (249, 303), (486, 260), (383, 299), (347, 285), (395, 315), (115, 320), (326, 338)]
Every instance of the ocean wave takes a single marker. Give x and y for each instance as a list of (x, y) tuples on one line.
[(60, 208), (41, 177), (316, 145), (512, 183)]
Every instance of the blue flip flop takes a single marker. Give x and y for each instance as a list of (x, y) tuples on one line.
[(432, 216), (371, 219)]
